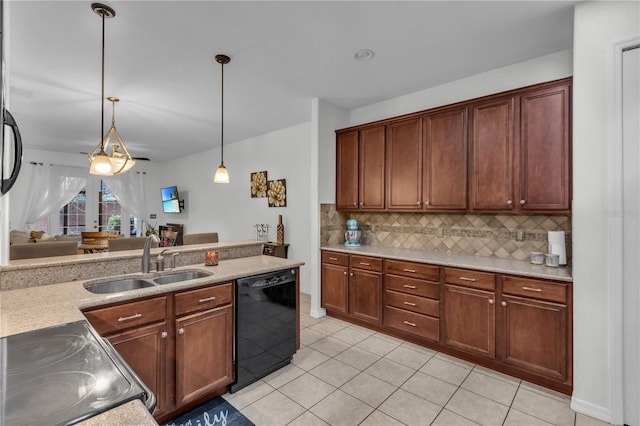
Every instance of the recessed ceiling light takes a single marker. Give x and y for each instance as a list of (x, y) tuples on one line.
[(363, 54)]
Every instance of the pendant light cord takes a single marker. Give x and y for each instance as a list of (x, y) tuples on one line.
[(102, 87), (222, 117)]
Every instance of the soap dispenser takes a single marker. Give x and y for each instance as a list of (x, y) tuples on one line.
[(160, 262)]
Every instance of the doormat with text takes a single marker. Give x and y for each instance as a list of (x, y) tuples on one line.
[(216, 412)]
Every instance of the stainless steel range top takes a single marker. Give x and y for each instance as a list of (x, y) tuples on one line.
[(62, 375)]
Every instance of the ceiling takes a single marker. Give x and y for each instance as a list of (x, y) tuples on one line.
[(160, 62)]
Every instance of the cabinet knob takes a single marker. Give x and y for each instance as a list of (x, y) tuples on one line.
[(418, 203), (522, 202), (345, 272), (361, 204), (503, 303), (181, 330), (164, 334), (509, 202), (491, 301), (428, 203), (355, 204), (351, 274)]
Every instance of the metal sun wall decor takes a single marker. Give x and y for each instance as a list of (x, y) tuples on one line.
[(275, 190)]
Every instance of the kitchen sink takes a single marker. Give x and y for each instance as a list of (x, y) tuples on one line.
[(180, 276), (116, 286)]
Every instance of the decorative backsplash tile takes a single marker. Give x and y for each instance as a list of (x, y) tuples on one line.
[(474, 234)]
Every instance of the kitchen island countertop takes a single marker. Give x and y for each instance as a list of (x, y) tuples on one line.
[(33, 308)]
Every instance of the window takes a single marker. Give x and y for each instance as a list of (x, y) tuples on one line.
[(73, 215), (109, 210)]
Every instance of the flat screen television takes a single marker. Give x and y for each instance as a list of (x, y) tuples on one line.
[(170, 200)]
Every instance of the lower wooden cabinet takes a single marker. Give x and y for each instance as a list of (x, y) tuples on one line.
[(517, 325), (180, 344), (536, 329), (204, 353), (145, 350)]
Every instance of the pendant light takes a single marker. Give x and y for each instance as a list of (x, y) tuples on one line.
[(222, 175), (119, 161)]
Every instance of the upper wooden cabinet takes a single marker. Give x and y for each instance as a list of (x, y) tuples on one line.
[(492, 155), (404, 165), (521, 151), (444, 173), (508, 152), (545, 155), (360, 157)]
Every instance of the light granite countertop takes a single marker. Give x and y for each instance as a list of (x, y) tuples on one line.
[(33, 308), (489, 264)]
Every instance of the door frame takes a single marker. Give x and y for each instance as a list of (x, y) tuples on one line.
[(614, 262)]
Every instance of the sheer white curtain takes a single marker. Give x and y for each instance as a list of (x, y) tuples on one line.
[(51, 188), (128, 188)]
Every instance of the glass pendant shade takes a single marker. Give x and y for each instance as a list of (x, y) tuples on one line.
[(100, 163), (222, 175)]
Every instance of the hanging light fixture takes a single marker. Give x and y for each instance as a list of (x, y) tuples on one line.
[(119, 161), (222, 175)]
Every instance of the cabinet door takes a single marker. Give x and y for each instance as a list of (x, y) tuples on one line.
[(145, 350), (445, 161), (371, 168), (404, 165), (535, 336), (365, 295), (347, 170), (469, 320), (204, 353), (335, 285), (492, 155), (545, 156)]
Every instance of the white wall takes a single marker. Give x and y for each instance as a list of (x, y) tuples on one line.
[(545, 68), (597, 25), (229, 208)]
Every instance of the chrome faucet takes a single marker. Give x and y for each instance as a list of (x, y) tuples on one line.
[(173, 260), (145, 251)]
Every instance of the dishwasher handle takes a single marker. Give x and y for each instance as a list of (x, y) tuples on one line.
[(269, 279)]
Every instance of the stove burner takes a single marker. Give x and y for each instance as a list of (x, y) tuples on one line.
[(48, 350), (53, 394)]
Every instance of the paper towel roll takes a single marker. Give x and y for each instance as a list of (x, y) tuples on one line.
[(557, 245)]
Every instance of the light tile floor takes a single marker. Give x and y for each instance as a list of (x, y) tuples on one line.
[(344, 374)]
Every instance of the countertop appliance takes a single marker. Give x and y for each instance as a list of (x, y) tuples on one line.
[(265, 320), (352, 234), (63, 375)]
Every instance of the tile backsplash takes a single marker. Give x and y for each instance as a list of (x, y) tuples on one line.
[(494, 235)]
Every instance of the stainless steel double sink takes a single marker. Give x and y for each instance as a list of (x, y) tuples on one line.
[(126, 284)]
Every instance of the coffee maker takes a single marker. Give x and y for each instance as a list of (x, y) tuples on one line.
[(352, 234)]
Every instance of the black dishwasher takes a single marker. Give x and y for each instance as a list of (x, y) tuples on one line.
[(265, 321)]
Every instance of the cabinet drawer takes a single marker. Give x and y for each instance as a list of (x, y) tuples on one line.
[(413, 270), (366, 262), (413, 323), (467, 278), (134, 314), (335, 258), (420, 305), (412, 286), (203, 298), (554, 292)]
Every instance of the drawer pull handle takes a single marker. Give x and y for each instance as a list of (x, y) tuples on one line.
[(121, 319), (365, 264), (333, 258), (207, 299), (412, 324), (473, 280), (409, 303), (532, 289), (409, 270), (409, 286)]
